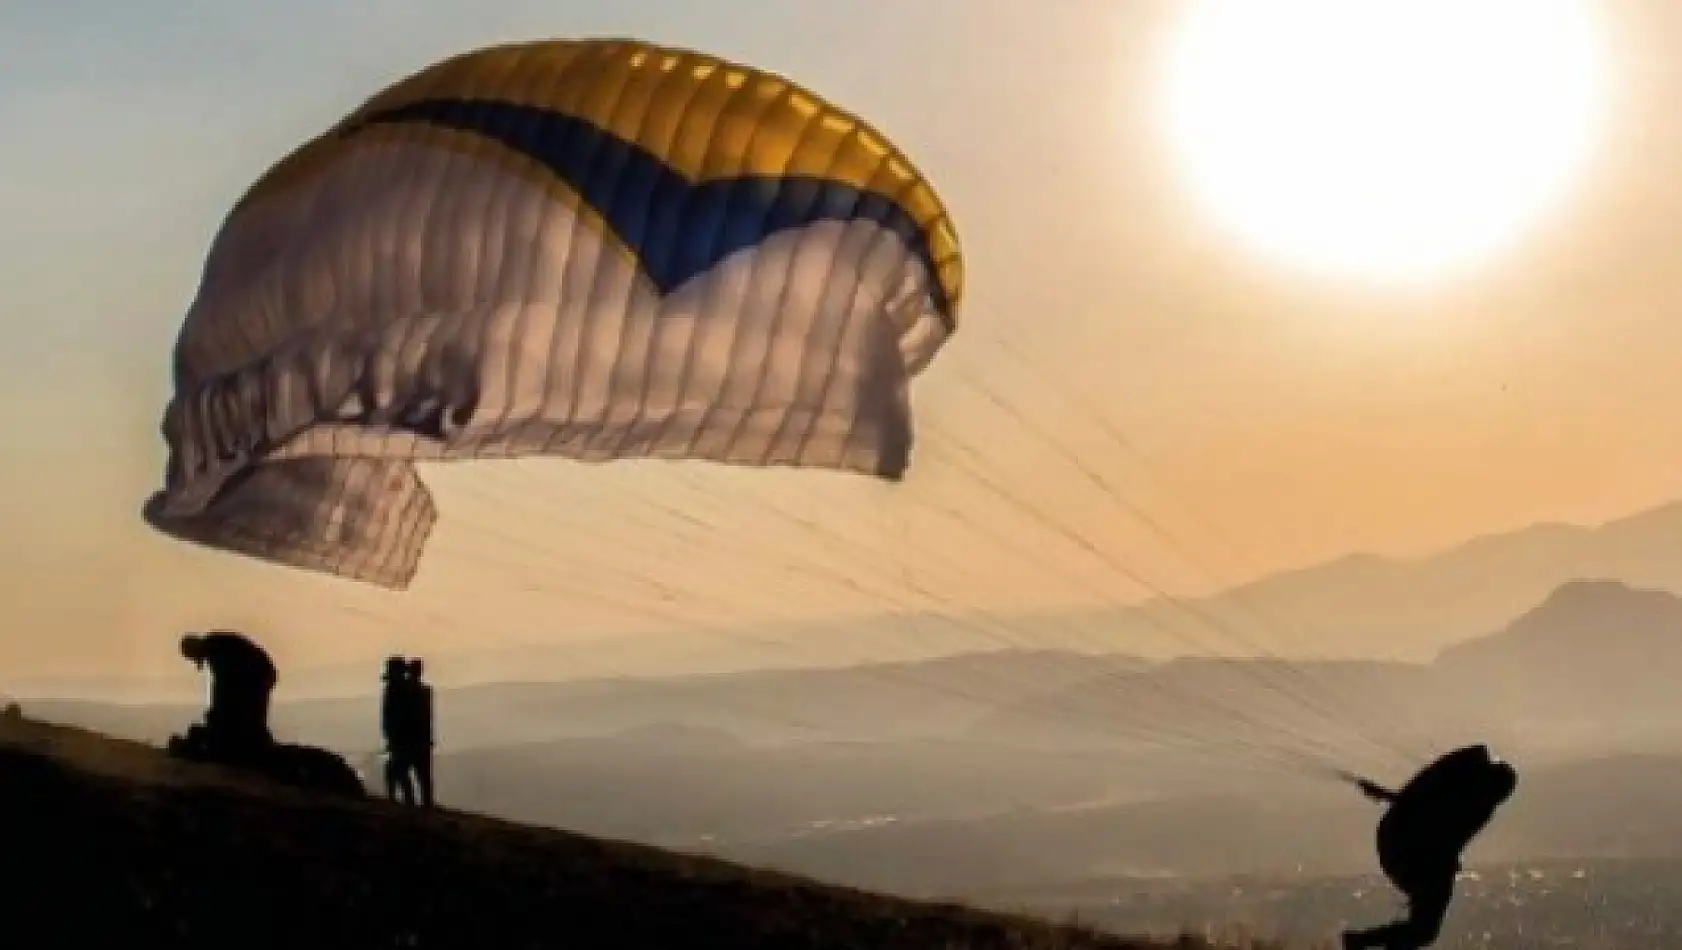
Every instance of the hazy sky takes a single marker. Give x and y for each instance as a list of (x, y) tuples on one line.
[(1304, 419)]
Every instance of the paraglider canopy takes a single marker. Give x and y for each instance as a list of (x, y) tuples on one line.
[(594, 249)]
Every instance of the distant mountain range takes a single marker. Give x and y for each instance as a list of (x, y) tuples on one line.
[(1583, 665), (1593, 664), (882, 702), (991, 770), (1365, 605), (1361, 606), (902, 775)]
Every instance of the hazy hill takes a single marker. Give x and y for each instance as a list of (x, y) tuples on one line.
[(1302, 703), (1620, 807), (1587, 673), (121, 845), (868, 702), (676, 789), (1366, 605), (1590, 667), (1597, 657), (1361, 604)]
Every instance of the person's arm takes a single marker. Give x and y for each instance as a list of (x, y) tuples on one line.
[(1374, 791), (1368, 787)]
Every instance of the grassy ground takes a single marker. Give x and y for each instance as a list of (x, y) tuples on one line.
[(112, 844)]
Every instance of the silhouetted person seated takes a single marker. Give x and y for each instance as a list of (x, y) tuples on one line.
[(242, 678), (406, 719), (399, 783), (1429, 823)]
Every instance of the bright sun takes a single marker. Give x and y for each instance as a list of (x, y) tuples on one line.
[(1384, 140)]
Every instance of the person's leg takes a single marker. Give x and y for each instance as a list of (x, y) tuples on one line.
[(1372, 937), (399, 785), (423, 775), (1427, 908), (1428, 902)]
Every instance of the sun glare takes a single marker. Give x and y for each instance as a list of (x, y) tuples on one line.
[(1384, 140)]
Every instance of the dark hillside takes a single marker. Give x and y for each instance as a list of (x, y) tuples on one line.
[(115, 844)]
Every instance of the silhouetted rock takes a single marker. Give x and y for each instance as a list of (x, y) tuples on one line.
[(300, 766), (305, 766)]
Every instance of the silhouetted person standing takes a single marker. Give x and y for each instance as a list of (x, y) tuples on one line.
[(1429, 823), (394, 704), (420, 718), (242, 679)]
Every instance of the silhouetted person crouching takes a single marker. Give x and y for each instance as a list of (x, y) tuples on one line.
[(242, 679), (1428, 825)]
